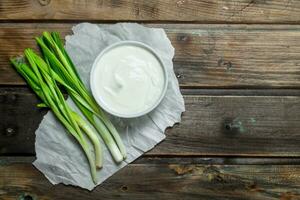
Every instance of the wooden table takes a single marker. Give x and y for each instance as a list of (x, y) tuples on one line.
[(238, 64)]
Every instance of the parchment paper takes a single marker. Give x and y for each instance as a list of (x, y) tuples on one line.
[(59, 157)]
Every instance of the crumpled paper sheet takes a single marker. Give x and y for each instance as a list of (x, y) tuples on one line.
[(59, 157)]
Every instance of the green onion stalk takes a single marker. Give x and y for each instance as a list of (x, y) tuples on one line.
[(44, 85), (64, 72)]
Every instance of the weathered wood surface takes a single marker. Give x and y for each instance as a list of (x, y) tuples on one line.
[(232, 143), (207, 56), (211, 125), (20, 180), (201, 11)]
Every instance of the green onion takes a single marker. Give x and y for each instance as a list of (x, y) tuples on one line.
[(65, 73), (45, 87), (44, 74)]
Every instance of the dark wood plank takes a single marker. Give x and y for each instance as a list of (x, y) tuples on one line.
[(216, 160), (207, 56), (161, 181), (12, 116), (212, 125), (242, 92), (216, 11), (236, 125)]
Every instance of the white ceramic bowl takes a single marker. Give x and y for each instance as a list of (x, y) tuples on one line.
[(100, 100)]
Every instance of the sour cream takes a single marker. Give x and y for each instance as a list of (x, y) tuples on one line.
[(128, 79)]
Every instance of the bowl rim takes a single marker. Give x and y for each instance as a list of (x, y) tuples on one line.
[(125, 43)]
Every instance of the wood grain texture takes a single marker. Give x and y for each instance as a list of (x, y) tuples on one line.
[(13, 121), (207, 56), (211, 125), (201, 11), (183, 160), (161, 181), (232, 143)]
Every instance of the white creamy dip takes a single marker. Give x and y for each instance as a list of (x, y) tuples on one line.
[(128, 79)]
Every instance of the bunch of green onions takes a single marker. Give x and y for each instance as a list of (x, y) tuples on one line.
[(44, 75)]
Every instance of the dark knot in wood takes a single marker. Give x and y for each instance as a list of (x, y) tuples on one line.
[(9, 132), (183, 38), (124, 188), (224, 63), (234, 126), (26, 197), (179, 75)]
